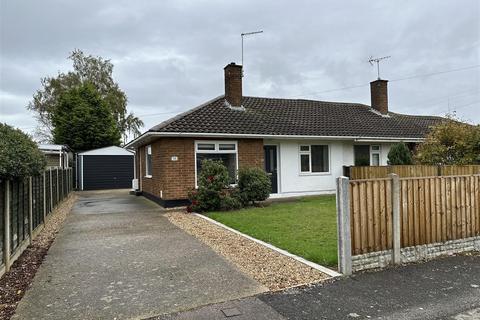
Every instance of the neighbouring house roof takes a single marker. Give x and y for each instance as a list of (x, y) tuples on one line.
[(110, 151), (295, 117), (53, 147)]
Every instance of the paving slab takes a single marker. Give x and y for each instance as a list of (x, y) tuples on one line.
[(117, 257)]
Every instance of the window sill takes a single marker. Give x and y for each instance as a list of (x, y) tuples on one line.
[(148, 176), (315, 174), (230, 185)]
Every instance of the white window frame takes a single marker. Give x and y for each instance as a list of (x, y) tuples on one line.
[(148, 150), (309, 153), (379, 152), (217, 144)]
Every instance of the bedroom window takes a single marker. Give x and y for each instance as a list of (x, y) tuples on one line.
[(314, 159), (148, 161), (225, 151)]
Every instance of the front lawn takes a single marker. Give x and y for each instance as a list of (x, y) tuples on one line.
[(305, 227)]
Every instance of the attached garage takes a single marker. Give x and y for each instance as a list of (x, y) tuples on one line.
[(105, 168)]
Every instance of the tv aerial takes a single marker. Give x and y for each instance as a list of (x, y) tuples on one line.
[(373, 60), (246, 34)]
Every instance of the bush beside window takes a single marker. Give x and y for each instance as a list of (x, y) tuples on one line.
[(213, 188), (214, 191), (254, 185)]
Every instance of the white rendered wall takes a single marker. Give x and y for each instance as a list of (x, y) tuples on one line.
[(292, 181)]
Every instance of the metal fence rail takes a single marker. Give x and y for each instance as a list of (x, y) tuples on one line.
[(24, 207)]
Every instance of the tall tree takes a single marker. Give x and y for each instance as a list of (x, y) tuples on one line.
[(86, 68), (83, 120)]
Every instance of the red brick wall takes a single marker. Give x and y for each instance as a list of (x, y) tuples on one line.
[(379, 95), (233, 84), (250, 153), (174, 179)]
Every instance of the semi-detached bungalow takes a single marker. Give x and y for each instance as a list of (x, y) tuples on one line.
[(302, 144)]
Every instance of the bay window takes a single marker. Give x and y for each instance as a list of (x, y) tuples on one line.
[(224, 151), (314, 159)]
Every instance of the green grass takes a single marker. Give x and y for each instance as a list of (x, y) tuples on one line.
[(305, 227)]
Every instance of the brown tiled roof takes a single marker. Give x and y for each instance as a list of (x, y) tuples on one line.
[(267, 116)]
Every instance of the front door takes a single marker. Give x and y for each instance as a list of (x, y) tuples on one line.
[(271, 165)]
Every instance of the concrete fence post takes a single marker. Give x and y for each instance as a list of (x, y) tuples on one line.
[(51, 190), (44, 197), (6, 227), (58, 194), (343, 226), (396, 228), (30, 209)]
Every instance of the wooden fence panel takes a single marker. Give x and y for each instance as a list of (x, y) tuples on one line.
[(432, 209), (452, 215), (20, 203), (453, 170), (2, 219), (405, 171), (371, 215)]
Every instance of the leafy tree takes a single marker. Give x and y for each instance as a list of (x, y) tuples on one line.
[(450, 142), (399, 154), (19, 155), (83, 120), (94, 70)]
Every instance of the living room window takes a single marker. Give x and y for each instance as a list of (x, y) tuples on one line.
[(224, 151), (148, 161), (314, 159)]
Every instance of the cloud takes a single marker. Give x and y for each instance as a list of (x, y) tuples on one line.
[(169, 55)]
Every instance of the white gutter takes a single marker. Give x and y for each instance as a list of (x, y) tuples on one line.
[(267, 136)]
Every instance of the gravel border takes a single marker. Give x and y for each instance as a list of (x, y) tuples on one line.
[(14, 283), (273, 270)]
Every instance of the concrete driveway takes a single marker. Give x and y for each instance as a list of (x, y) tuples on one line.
[(117, 257)]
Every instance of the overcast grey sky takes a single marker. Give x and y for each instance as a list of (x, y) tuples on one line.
[(169, 55)]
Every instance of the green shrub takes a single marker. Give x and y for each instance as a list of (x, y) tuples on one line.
[(399, 154), (19, 155), (254, 185), (450, 142), (231, 201), (213, 183)]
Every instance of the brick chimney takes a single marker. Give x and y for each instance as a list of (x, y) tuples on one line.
[(233, 84), (379, 94)]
